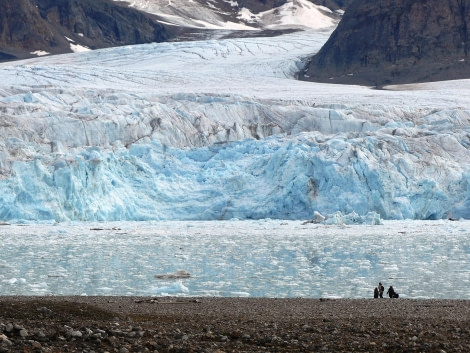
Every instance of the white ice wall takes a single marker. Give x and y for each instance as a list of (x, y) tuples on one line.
[(220, 130)]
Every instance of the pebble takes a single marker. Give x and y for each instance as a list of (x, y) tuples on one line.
[(76, 334), (44, 310)]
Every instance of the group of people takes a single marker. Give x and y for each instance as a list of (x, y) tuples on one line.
[(379, 291)]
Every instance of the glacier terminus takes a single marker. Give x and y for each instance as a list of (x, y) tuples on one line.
[(220, 130)]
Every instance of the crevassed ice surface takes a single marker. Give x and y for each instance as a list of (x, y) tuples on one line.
[(264, 258), (220, 129)]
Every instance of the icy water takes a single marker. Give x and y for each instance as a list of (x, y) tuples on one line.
[(267, 258)]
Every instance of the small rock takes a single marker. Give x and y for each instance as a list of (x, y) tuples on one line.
[(113, 341), (76, 334), (36, 345), (41, 336), (44, 310), (6, 342)]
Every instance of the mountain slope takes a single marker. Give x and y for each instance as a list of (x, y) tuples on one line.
[(404, 41), (22, 27), (51, 26), (244, 14)]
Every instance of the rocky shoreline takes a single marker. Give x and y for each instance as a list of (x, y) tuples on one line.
[(170, 324)]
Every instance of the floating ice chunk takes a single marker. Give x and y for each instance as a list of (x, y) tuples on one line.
[(104, 289), (10, 281), (176, 288), (318, 217), (239, 294), (372, 218), (335, 218), (338, 218), (39, 288)]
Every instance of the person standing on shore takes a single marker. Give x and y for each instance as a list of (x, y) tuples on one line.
[(391, 293), (381, 290), (376, 292)]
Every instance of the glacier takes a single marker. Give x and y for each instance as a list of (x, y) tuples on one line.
[(221, 129)]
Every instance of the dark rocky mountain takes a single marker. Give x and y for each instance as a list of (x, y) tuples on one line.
[(396, 41), (21, 27), (51, 25), (334, 4)]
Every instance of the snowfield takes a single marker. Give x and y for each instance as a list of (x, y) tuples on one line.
[(201, 14), (221, 129)]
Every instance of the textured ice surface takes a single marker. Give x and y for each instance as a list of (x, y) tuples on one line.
[(215, 130), (266, 258)]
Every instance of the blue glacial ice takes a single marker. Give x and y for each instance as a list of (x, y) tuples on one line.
[(219, 130)]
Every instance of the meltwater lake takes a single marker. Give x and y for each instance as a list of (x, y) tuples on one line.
[(263, 258)]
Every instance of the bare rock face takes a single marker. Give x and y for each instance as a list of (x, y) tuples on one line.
[(21, 26), (52, 25), (396, 41), (333, 4), (101, 22)]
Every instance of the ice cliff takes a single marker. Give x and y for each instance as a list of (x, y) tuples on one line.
[(220, 130)]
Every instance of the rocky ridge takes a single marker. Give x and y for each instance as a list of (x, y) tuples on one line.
[(396, 42), (50, 26)]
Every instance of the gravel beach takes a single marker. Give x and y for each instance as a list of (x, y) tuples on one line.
[(171, 324)]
